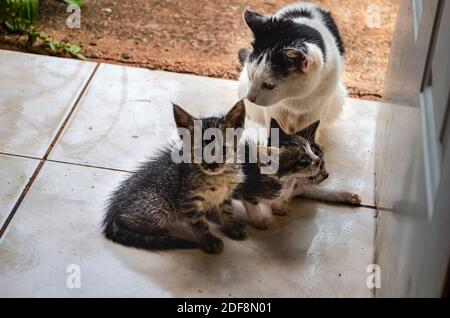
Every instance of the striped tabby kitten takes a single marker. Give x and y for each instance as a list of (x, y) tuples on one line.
[(145, 205), (301, 167)]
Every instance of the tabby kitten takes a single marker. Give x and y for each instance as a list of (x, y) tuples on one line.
[(301, 167), (143, 208)]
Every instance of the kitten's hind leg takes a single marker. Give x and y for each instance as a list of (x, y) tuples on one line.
[(232, 228), (332, 196), (260, 215), (208, 242)]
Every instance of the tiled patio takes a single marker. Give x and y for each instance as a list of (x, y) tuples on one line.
[(71, 130)]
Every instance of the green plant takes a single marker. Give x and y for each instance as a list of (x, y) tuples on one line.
[(18, 16), (75, 2), (12, 10)]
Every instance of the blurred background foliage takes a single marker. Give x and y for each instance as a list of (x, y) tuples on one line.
[(18, 16)]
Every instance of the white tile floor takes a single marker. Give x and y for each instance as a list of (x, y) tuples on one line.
[(36, 94), (123, 115), (15, 173)]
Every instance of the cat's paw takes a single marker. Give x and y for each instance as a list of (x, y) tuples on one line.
[(263, 223), (351, 198), (212, 244), (281, 211), (236, 232)]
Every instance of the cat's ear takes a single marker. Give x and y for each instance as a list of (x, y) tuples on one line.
[(236, 116), (182, 118), (299, 57), (274, 125), (309, 133), (255, 20)]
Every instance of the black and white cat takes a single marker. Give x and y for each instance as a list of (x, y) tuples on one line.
[(293, 71)]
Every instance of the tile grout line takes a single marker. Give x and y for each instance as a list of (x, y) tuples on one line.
[(19, 156), (65, 162), (88, 165), (46, 155)]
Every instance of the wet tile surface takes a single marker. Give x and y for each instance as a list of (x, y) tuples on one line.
[(126, 114), (36, 94), (349, 145), (15, 173), (319, 250)]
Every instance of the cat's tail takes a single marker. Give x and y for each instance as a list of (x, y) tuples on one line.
[(153, 241)]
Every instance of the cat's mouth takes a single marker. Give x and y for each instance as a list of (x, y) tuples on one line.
[(260, 103), (319, 178)]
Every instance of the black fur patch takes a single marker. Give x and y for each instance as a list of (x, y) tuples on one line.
[(278, 34), (331, 25)]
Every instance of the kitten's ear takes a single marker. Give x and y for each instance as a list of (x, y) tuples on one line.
[(309, 133), (274, 125), (236, 116), (182, 118), (254, 20), (298, 56)]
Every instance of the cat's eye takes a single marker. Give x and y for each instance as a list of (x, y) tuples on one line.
[(305, 161), (268, 86)]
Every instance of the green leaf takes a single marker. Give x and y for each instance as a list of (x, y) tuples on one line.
[(32, 37), (10, 26), (74, 2), (24, 9), (80, 56), (74, 48), (52, 46)]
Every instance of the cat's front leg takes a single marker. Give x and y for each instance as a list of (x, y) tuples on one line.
[(332, 196), (208, 242), (260, 215), (232, 228)]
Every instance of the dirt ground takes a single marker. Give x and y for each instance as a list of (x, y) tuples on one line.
[(203, 36)]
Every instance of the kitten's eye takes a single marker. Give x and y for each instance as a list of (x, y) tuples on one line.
[(268, 86), (305, 161)]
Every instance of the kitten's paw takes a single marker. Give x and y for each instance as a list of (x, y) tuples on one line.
[(212, 244), (236, 232), (351, 198), (263, 223), (282, 211)]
